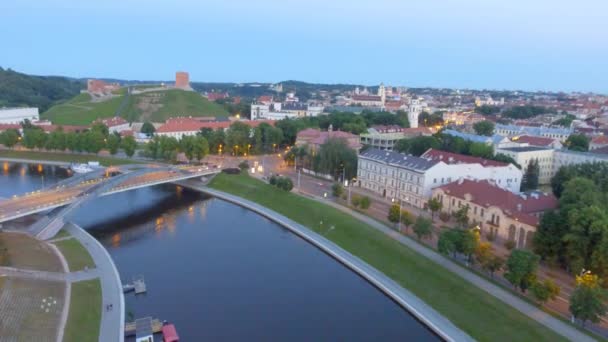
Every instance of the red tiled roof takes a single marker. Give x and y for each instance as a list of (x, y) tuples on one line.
[(485, 194), (126, 133), (4, 127), (367, 98), (534, 141), (265, 99), (191, 124), (216, 96), (455, 158), (600, 140), (114, 121)]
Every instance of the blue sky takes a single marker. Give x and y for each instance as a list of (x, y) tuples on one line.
[(494, 44)]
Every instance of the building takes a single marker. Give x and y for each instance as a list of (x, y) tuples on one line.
[(504, 175), (99, 87), (598, 142), (525, 154), (18, 115), (288, 110), (566, 157), (495, 140), (415, 108), (116, 124), (497, 212), (528, 140), (411, 179), (549, 132), (462, 118), (488, 101), (314, 138), (182, 80), (385, 137), (213, 96), (188, 126)]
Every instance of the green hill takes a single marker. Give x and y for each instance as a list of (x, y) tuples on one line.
[(152, 106), (17, 89)]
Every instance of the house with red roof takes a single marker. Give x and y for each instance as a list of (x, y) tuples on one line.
[(598, 142), (116, 124), (530, 140), (188, 126), (498, 212), (314, 138)]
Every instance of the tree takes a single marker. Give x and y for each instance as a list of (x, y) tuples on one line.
[(407, 219), (393, 213), (462, 216), (337, 189), (423, 227), (200, 148), (483, 254), (545, 291), (587, 301), (448, 241), (578, 142), (494, 264), (467, 243), (148, 128), (9, 138), (365, 202), (34, 138), (484, 128), (56, 140), (337, 159), (94, 141), (113, 143), (548, 240), (238, 138), (100, 128), (481, 150), (521, 268), (487, 110), (244, 165), (435, 206), (129, 145), (530, 179), (418, 145)]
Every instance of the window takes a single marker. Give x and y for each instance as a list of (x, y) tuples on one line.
[(453, 202), (434, 180), (481, 212)]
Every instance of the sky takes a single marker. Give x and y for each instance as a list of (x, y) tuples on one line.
[(551, 45)]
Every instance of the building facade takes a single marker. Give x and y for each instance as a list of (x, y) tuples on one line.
[(549, 132), (526, 154), (17, 115), (182, 80), (411, 179), (497, 212)]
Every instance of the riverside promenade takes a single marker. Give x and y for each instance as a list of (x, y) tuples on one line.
[(419, 309), (112, 322)]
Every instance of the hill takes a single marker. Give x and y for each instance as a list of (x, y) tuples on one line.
[(17, 89), (156, 106)]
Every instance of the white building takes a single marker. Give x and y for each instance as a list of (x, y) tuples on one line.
[(414, 110), (567, 157), (278, 111), (18, 115), (116, 124), (526, 154), (549, 132), (411, 179)]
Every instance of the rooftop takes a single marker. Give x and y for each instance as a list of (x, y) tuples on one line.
[(526, 149), (455, 158), (398, 159), (486, 194), (534, 141)]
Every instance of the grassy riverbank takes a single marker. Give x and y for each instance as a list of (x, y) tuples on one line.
[(479, 314), (75, 254), (84, 319), (65, 157)]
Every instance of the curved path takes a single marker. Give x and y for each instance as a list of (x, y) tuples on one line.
[(113, 321), (435, 321)]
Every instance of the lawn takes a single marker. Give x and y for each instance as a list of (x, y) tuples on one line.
[(84, 318), (81, 111), (479, 314), (185, 103), (24, 251), (67, 157), (76, 255)]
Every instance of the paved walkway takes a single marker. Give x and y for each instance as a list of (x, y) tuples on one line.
[(113, 321), (529, 310), (409, 301)]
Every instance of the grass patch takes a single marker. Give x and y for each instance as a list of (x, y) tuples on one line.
[(75, 254), (84, 318), (185, 103), (23, 251), (479, 314), (66, 157), (81, 111)]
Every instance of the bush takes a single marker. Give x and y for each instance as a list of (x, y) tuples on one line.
[(283, 183), (244, 165), (356, 201), (337, 189), (444, 216), (510, 244), (365, 202), (273, 180)]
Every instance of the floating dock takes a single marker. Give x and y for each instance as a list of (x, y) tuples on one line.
[(138, 285), (146, 324)]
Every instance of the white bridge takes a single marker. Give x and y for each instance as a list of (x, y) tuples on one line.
[(75, 191)]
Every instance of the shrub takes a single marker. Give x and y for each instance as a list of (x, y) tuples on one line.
[(273, 180), (356, 201), (444, 216), (244, 165), (365, 202), (510, 244), (284, 183), (337, 189)]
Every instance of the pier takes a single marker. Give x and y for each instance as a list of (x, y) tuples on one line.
[(146, 325), (138, 285)]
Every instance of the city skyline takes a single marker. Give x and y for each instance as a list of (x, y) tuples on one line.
[(548, 46)]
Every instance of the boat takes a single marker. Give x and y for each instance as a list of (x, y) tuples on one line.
[(169, 333), (81, 168)]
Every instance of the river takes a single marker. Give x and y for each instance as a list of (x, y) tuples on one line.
[(222, 273)]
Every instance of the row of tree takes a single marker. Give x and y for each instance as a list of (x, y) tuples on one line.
[(169, 148), (93, 140)]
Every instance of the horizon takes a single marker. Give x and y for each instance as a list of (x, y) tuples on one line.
[(468, 44)]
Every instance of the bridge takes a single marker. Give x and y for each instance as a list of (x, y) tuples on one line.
[(75, 191)]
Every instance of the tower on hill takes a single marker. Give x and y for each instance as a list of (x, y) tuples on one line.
[(182, 80)]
